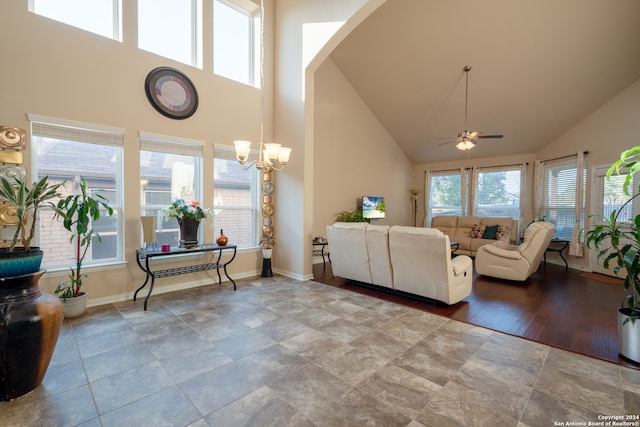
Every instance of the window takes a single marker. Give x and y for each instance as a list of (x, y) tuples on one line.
[(235, 198), (498, 193), (559, 197), (97, 156), (98, 16), (445, 196), (610, 195), (234, 39), (171, 28), (170, 169)]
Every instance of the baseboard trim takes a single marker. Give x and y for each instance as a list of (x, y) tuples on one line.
[(158, 290)]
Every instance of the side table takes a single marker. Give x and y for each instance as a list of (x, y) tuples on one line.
[(322, 245), (454, 247), (559, 245)]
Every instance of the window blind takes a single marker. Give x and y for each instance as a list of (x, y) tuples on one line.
[(170, 144), (71, 130)]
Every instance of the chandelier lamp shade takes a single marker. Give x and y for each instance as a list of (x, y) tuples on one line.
[(271, 156)]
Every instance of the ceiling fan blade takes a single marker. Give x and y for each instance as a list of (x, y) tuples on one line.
[(447, 142), (490, 136)]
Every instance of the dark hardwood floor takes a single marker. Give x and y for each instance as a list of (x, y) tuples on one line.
[(557, 307)]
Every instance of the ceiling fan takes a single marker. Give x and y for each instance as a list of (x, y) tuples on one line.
[(467, 140)]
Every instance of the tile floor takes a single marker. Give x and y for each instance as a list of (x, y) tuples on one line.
[(279, 352)]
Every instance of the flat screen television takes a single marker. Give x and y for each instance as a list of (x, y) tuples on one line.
[(372, 207)]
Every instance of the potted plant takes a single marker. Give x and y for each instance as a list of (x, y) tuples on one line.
[(189, 216), (79, 211), (618, 245), (30, 319), (350, 216), (267, 243), (26, 202)]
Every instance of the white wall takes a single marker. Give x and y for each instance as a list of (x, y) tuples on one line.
[(354, 155), (53, 69), (294, 186)]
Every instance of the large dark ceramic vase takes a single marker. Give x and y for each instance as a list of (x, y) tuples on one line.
[(188, 232), (30, 322)]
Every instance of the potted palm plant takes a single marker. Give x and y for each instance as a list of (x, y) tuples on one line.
[(618, 245), (18, 259), (78, 212), (30, 319)]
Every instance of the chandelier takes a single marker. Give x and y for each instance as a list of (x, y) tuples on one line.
[(270, 156)]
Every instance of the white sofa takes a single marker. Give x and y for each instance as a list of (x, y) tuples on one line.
[(513, 262), (459, 229), (408, 259)]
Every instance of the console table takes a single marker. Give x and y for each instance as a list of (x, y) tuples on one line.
[(144, 256)]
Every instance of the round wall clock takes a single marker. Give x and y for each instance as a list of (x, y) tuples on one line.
[(171, 93)]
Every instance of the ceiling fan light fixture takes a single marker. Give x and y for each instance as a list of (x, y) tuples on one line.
[(465, 145)]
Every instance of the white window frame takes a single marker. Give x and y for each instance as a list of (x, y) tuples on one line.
[(116, 15), (451, 173), (561, 165), (252, 12), (175, 145), (515, 168), (196, 36), (77, 131), (227, 152)]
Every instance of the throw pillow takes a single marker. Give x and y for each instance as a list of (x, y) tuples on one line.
[(490, 232), (477, 231), (502, 233)]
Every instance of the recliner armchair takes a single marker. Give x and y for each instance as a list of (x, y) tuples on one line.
[(515, 262)]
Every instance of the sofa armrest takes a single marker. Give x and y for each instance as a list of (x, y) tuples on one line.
[(461, 264), (504, 245), (502, 252)]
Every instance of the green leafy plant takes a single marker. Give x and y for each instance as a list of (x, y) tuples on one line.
[(350, 216), (267, 242), (27, 201), (78, 212), (623, 254)]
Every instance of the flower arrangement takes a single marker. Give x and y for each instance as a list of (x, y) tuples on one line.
[(180, 209)]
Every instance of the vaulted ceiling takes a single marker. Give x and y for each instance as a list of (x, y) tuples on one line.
[(538, 68)]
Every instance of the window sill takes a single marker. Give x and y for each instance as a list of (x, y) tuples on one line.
[(64, 271)]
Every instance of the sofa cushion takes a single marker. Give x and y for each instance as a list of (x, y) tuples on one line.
[(477, 231), (490, 232), (378, 249), (446, 224), (465, 224), (503, 233), (509, 234), (469, 230)]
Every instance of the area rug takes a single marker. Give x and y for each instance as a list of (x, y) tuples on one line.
[(603, 278)]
